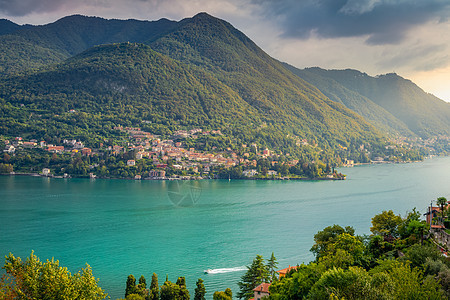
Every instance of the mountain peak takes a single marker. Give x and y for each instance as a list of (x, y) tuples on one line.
[(203, 15), (7, 27)]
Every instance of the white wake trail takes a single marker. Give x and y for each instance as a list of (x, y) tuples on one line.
[(225, 270)]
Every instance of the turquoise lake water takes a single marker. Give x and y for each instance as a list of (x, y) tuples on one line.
[(123, 227)]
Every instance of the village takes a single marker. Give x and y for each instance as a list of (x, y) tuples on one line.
[(170, 159)]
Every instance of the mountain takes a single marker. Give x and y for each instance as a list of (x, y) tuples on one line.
[(423, 114), (165, 76), (7, 27), (29, 47), (372, 112)]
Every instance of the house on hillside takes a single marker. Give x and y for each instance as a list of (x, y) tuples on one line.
[(272, 173), (9, 149), (55, 149), (283, 272), (250, 173), (433, 216), (261, 291)]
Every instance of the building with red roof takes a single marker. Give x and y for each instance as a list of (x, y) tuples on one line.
[(283, 272), (261, 291)]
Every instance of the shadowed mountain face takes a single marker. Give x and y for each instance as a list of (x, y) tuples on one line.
[(200, 71), (422, 113)]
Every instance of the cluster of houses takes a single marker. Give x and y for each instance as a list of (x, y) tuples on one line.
[(438, 224), (148, 146)]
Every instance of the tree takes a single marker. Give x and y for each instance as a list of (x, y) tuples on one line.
[(131, 285), (353, 283), (134, 297), (386, 224), (34, 279), (141, 288), (154, 288), (183, 292), (441, 201), (6, 168), (225, 295), (256, 274), (328, 236), (200, 290), (417, 228), (142, 282), (170, 291), (272, 267)]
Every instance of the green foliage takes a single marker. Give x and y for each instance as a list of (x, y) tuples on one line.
[(256, 274), (183, 293), (225, 295), (298, 284), (169, 291), (174, 291), (130, 286), (200, 290), (272, 267), (6, 168), (348, 284), (417, 254), (375, 267), (372, 112), (422, 113), (386, 224), (34, 279), (328, 236), (134, 297), (154, 288)]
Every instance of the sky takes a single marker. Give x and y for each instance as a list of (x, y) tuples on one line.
[(408, 37)]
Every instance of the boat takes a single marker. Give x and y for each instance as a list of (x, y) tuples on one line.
[(208, 271)]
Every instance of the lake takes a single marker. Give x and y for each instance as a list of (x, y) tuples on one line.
[(123, 227)]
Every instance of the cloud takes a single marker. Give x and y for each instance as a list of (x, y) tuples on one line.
[(382, 21), (25, 7)]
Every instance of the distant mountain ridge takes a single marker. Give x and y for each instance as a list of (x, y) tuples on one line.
[(421, 113)]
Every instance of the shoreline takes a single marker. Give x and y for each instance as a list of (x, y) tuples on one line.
[(175, 179)]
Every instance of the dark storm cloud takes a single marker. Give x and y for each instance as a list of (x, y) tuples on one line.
[(384, 21), (20, 8)]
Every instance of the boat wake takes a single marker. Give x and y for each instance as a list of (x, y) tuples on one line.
[(225, 270)]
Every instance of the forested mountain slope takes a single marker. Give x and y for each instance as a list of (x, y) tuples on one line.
[(423, 113), (166, 75), (372, 112)]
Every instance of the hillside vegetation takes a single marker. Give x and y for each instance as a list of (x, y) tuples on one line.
[(81, 77), (423, 114)]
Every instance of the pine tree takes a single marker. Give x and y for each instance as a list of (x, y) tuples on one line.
[(200, 290), (131, 285), (154, 288), (272, 266), (183, 293), (142, 282), (256, 274), (141, 288)]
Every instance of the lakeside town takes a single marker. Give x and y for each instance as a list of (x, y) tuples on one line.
[(147, 156), (143, 155)]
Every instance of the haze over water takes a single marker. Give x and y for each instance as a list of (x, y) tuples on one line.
[(123, 227)]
